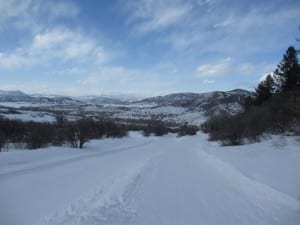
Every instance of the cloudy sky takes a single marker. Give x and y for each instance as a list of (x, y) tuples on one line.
[(145, 47)]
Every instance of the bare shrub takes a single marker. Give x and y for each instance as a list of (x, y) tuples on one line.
[(2, 140), (187, 130), (38, 134), (278, 115)]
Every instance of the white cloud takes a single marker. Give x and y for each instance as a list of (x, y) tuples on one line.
[(246, 69), (34, 14), (13, 8), (225, 27), (205, 2), (227, 22), (66, 44), (265, 18), (257, 30), (213, 70), (107, 73), (60, 9), (183, 40), (57, 44), (13, 60), (151, 15), (207, 82), (115, 78)]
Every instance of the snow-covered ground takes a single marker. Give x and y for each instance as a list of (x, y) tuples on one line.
[(175, 114), (24, 104), (41, 117), (165, 180)]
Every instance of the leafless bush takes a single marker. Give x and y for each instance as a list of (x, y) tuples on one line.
[(156, 127), (76, 134), (187, 130), (2, 140), (38, 135)]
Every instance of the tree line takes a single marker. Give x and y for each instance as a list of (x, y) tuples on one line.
[(73, 133), (274, 107), (33, 135)]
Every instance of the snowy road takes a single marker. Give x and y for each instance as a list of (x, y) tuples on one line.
[(161, 181)]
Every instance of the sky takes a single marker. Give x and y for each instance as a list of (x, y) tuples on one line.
[(142, 47)]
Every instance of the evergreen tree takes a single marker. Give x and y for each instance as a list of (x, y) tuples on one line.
[(265, 90), (287, 72)]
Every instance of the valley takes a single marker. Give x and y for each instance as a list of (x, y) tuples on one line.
[(190, 108)]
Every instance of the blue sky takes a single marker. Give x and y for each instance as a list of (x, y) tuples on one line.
[(144, 47)]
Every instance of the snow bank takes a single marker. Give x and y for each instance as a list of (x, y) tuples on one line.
[(274, 162)]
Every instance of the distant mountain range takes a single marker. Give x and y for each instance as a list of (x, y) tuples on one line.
[(19, 96), (209, 102)]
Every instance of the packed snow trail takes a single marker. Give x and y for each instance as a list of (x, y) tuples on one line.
[(171, 181), (187, 186)]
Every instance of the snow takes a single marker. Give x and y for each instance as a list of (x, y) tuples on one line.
[(12, 93), (160, 110), (130, 105), (165, 110), (274, 161), (23, 104), (31, 116), (131, 111), (166, 113), (194, 118), (232, 108), (155, 180)]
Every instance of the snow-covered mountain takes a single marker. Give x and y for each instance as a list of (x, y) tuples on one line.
[(19, 96), (177, 99), (210, 102), (98, 100), (185, 107), (230, 101), (14, 96)]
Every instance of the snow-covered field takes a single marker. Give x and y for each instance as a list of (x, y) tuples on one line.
[(23, 104), (134, 111), (41, 117), (153, 181)]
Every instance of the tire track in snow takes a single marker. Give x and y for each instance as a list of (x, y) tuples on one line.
[(161, 192), (108, 205)]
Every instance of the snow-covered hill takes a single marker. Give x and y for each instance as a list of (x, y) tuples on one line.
[(179, 99), (14, 96), (210, 102), (19, 96), (166, 180), (192, 108)]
